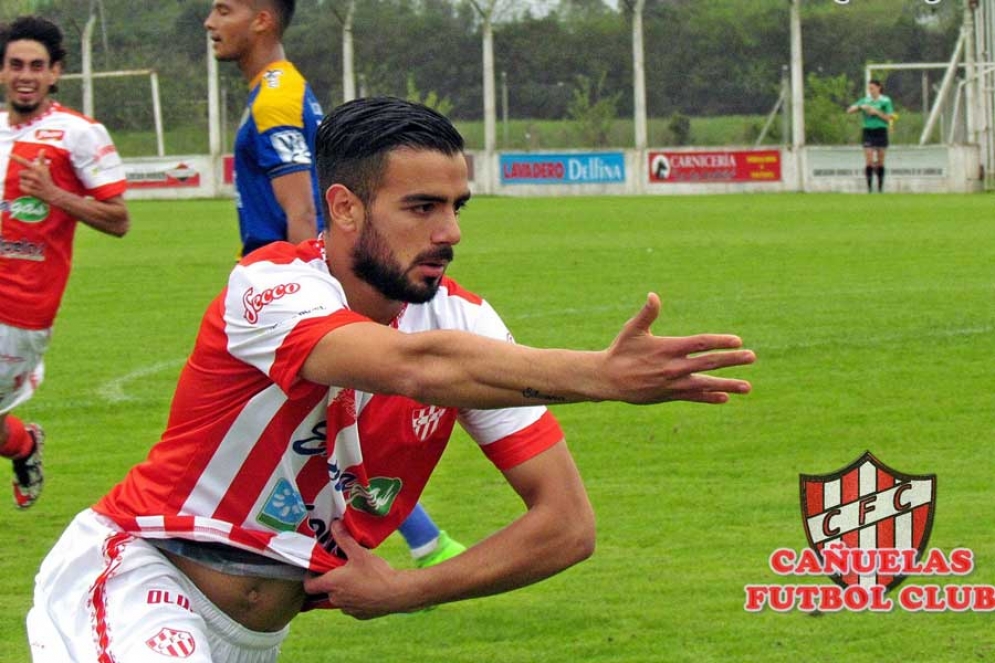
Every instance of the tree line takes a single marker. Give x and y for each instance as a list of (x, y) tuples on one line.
[(703, 57)]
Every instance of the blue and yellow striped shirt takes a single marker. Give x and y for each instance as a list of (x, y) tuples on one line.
[(276, 137)]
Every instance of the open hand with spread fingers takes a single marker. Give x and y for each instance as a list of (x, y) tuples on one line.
[(653, 369)]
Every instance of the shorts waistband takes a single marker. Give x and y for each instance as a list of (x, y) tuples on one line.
[(226, 628)]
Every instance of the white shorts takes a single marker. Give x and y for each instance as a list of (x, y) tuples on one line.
[(21, 366), (105, 596)]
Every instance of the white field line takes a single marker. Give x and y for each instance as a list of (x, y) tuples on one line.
[(114, 391)]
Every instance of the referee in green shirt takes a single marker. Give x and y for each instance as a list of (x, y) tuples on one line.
[(877, 112)]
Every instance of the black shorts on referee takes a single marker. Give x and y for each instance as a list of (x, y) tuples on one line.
[(876, 138)]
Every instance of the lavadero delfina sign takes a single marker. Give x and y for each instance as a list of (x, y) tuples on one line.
[(579, 168)]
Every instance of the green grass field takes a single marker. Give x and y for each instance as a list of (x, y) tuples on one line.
[(873, 318)]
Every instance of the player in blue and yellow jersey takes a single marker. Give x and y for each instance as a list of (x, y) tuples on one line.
[(275, 175), (877, 112), (281, 118), (275, 178)]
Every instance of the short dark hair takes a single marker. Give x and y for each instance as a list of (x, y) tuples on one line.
[(875, 81), (35, 28), (355, 139), (284, 12)]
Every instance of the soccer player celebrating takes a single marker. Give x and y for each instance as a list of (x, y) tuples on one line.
[(323, 387), (877, 112), (57, 167)]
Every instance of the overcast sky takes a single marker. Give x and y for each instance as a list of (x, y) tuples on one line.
[(543, 6)]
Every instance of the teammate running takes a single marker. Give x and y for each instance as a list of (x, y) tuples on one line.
[(57, 167)]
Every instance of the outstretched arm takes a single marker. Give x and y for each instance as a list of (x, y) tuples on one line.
[(555, 532), (108, 216), (460, 369)]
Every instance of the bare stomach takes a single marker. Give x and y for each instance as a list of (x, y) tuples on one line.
[(258, 604)]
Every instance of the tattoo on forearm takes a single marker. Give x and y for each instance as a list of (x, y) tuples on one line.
[(529, 392)]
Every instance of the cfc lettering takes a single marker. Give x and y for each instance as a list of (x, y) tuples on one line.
[(899, 505), (827, 529), (866, 506), (254, 303)]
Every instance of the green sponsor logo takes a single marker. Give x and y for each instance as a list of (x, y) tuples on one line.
[(29, 210), (377, 498)]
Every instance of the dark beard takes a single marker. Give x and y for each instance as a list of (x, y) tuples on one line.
[(373, 262), (25, 109)]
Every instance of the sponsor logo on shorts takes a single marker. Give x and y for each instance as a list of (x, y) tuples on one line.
[(172, 643), (165, 596), (254, 303)]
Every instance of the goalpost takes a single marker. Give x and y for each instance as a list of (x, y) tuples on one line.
[(87, 77), (964, 103), (963, 106), (940, 114), (156, 103)]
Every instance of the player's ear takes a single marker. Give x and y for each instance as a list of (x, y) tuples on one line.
[(264, 21), (345, 209)]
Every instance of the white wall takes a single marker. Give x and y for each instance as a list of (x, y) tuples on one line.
[(909, 169), (929, 169), (172, 178)]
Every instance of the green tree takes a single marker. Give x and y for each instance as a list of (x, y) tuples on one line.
[(720, 57), (431, 99), (679, 126), (14, 8), (593, 110), (826, 98)]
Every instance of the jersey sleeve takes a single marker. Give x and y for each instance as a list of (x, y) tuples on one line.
[(278, 114), (509, 436), (97, 163), (274, 317)]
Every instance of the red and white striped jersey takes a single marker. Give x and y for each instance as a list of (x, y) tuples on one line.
[(36, 240), (255, 457)]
